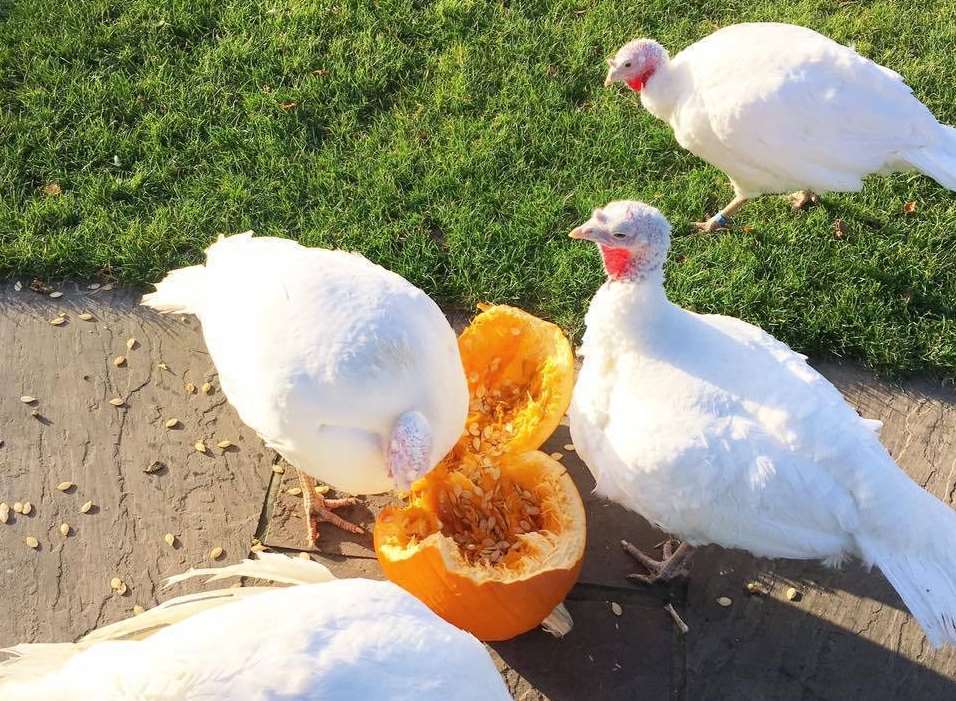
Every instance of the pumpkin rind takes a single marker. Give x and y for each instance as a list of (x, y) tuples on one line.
[(503, 348)]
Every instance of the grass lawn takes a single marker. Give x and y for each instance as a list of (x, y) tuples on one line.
[(455, 142)]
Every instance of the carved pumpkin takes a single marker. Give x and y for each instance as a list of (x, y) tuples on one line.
[(493, 538)]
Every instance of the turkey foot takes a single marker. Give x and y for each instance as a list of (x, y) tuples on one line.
[(803, 199), (673, 564), (318, 509), (721, 220)]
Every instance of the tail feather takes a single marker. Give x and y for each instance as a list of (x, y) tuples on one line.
[(180, 292), (925, 578), (33, 660), (938, 162)]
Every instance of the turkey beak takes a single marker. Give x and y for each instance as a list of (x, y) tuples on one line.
[(609, 80), (583, 233)]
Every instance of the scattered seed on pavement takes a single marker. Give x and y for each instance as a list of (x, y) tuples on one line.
[(27, 399), (116, 401), (32, 542), (63, 486), (58, 321), (116, 583), (18, 507), (93, 286), (86, 507), (200, 446), (724, 601), (172, 423), (170, 539), (131, 343), (64, 529), (616, 608), (793, 594), (215, 553), (557, 456), (206, 388), (568, 446), (27, 508), (86, 316), (189, 387), (119, 361), (225, 445), (56, 295), (4, 512)]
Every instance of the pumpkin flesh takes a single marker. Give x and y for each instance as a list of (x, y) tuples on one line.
[(492, 539)]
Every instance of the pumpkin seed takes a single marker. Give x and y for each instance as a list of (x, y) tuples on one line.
[(17, 286), (322, 489), (162, 366), (56, 295), (153, 467), (32, 542), (122, 589), (753, 587), (616, 608), (64, 529), (170, 539), (63, 486), (116, 583), (27, 399), (294, 491), (86, 507), (58, 321), (172, 423), (724, 601), (116, 401), (568, 447), (119, 361), (278, 469), (86, 316), (793, 594), (200, 446), (189, 387), (138, 610), (131, 343), (93, 286), (225, 445), (215, 553), (27, 508), (4, 512), (476, 443), (18, 507), (557, 456), (206, 388)]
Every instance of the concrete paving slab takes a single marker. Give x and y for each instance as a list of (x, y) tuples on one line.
[(72, 433)]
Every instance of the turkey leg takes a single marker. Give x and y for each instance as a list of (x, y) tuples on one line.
[(721, 220), (673, 563), (318, 508)]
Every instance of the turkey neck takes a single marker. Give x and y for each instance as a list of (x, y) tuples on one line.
[(630, 311), (659, 93)]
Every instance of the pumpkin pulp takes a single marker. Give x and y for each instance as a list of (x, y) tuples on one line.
[(492, 539)]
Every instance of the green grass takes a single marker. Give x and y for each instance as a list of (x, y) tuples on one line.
[(456, 143)]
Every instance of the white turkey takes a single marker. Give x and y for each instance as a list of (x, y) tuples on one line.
[(336, 640), (346, 369), (781, 108), (719, 433)]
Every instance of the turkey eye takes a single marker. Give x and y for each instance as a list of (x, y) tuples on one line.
[(627, 65), (618, 234)]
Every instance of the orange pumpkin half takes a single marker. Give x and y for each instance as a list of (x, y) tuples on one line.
[(493, 538)]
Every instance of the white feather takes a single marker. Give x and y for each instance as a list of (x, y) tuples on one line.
[(321, 352), (719, 433), (781, 108)]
